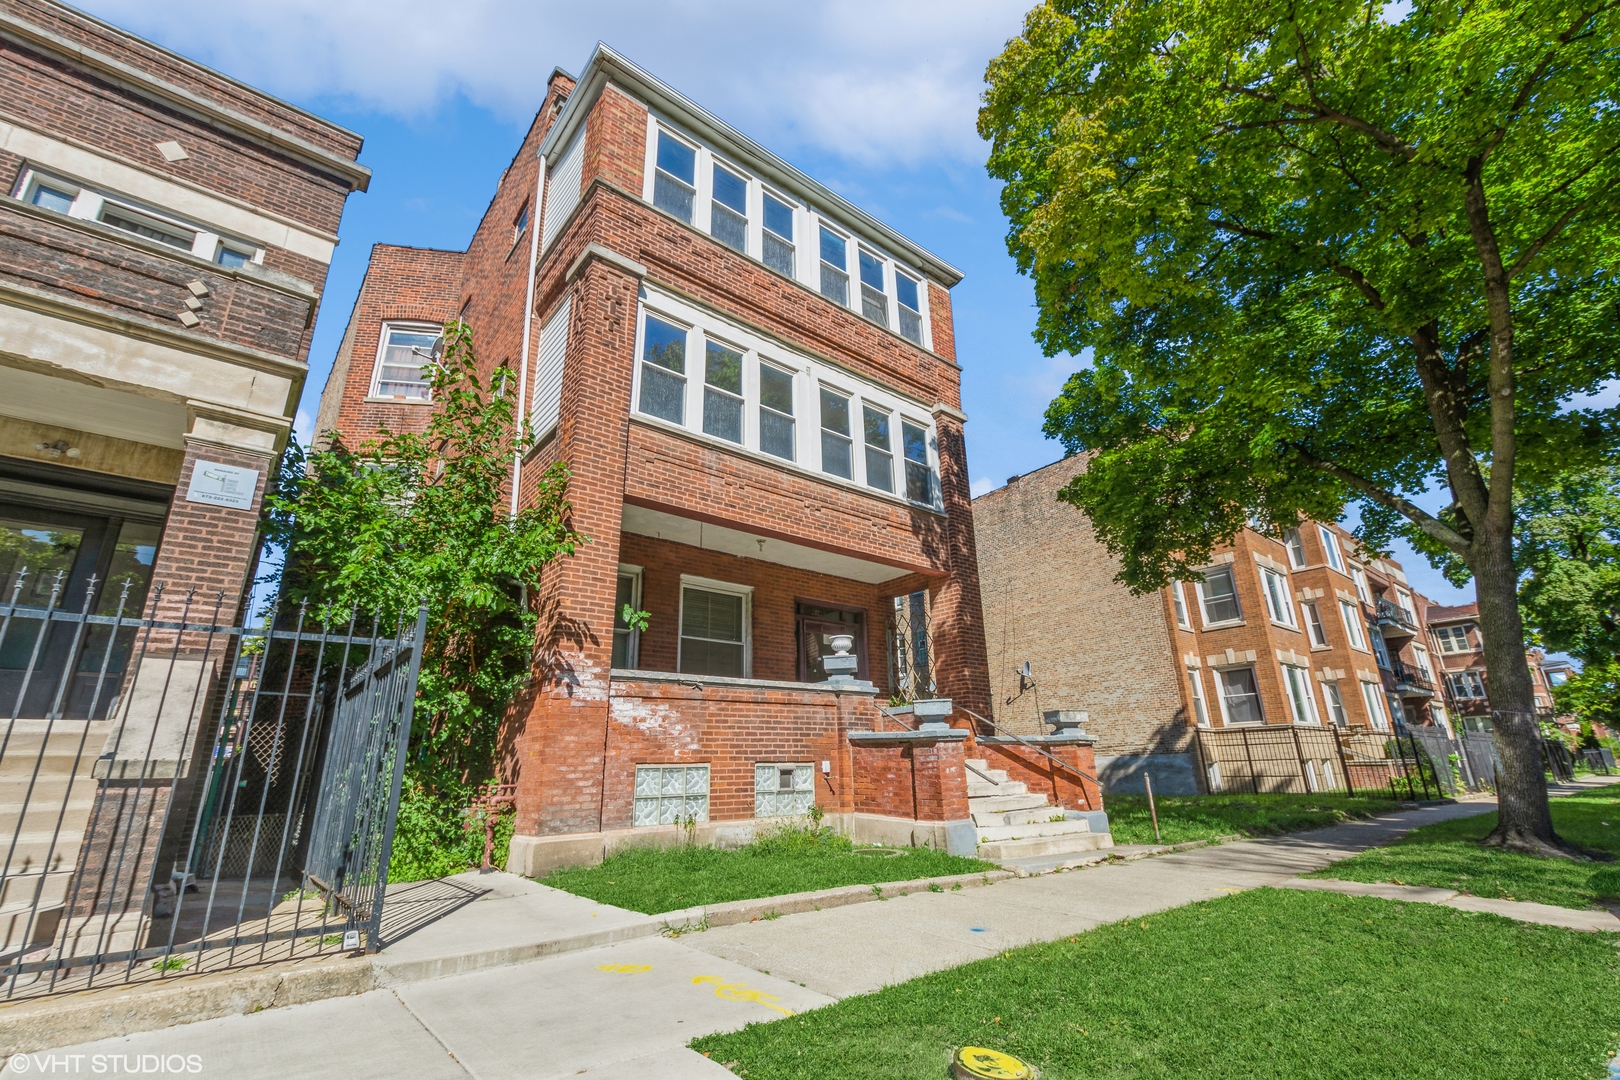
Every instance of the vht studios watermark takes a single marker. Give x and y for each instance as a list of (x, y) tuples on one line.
[(48, 1064)]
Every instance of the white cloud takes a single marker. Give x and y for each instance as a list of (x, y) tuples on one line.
[(893, 82), (980, 486)]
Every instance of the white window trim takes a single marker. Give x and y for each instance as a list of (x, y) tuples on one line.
[(1420, 658), (1373, 693), (1363, 587), (806, 229), (1327, 705), (1178, 602), (1306, 607), (1203, 610), (1355, 631), (808, 377), (1303, 689), (1331, 550), (1220, 696), (732, 588), (1403, 601), (1287, 618), (1200, 704), (1301, 562), (89, 202), (382, 346)]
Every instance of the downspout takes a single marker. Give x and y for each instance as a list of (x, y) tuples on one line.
[(528, 323)]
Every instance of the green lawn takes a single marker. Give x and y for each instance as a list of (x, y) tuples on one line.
[(1445, 856), (1204, 817), (1267, 984), (655, 880)]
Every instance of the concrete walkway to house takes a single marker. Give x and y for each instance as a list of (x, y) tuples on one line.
[(628, 1009)]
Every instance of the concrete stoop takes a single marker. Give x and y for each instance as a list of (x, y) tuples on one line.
[(1014, 823)]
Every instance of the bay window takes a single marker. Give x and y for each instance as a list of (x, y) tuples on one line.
[(1313, 623), (776, 412), (921, 484), (1240, 696), (1296, 548), (663, 370), (1298, 681), (722, 392), (1335, 705), (1217, 597), (905, 290), (1352, 625), (1372, 695), (1278, 604), (1330, 547)]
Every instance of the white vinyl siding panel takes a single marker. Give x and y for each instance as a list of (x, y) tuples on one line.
[(562, 189), (548, 371)]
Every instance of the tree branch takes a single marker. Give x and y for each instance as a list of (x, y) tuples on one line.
[(1424, 520)]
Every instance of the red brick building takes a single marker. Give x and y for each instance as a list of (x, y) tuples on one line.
[(1461, 652), (1302, 629), (755, 386)]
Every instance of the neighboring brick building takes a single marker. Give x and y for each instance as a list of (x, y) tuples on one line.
[(1461, 651), (754, 385), (164, 241), (1302, 629)]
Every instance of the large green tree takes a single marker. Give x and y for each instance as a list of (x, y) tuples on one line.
[(1323, 253)]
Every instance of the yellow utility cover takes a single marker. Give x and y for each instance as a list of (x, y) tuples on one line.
[(977, 1061)]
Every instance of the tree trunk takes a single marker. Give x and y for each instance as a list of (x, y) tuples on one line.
[(1524, 820)]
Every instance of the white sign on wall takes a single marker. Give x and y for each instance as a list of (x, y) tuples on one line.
[(217, 484)]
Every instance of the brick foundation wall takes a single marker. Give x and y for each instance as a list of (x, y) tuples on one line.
[(920, 779)]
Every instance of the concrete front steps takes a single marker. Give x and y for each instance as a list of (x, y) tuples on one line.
[(1014, 823)]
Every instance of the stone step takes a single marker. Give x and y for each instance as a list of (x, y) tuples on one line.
[(53, 890), (60, 762), (1034, 815), (31, 848), (978, 787), (20, 921), (1066, 844), (996, 833), (1001, 804), (983, 773)]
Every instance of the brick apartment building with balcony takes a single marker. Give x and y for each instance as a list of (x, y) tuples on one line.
[(1302, 629), (1460, 651), (755, 386), (165, 234)]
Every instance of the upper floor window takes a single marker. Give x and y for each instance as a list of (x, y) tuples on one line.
[(520, 224), (51, 198), (405, 361), (1453, 639), (834, 267), (1352, 625), (776, 434), (1403, 600), (1466, 684), (663, 370), (675, 178), (1330, 546), (874, 301), (1278, 603), (835, 441), (1363, 590), (1217, 596), (879, 449), (921, 483), (1179, 599), (1296, 548), (905, 290), (728, 214), (722, 392), (777, 236)]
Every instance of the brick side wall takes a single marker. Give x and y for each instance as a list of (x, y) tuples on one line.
[(205, 548), (1061, 785), (924, 780)]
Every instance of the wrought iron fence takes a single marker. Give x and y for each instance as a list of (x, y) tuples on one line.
[(911, 652), (179, 793), (1280, 759)]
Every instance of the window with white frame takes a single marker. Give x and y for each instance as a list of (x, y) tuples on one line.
[(879, 448), (1466, 684), (777, 237), (671, 794), (1314, 625), (906, 292), (834, 267), (1335, 705), (1351, 614), (1296, 548), (1298, 682), (663, 369), (1378, 648), (675, 177), (1330, 546), (1240, 696), (626, 638), (546, 403), (1179, 600), (1200, 710), (722, 391), (874, 297), (922, 483), (1420, 656), (728, 210), (783, 790), (776, 435), (405, 361), (836, 457), (1372, 695), (63, 196), (1403, 600), (1363, 590), (1217, 597), (714, 629), (1453, 639), (1278, 603)]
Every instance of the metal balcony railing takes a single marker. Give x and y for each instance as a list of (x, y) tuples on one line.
[(1390, 612), (1408, 676)]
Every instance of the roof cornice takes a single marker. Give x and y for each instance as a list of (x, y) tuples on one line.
[(607, 66)]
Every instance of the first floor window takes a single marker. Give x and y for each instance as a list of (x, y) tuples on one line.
[(1218, 596), (783, 790), (775, 412), (1240, 697), (714, 632), (625, 637), (1298, 681), (1313, 623), (663, 370), (1335, 704), (1200, 710), (835, 440), (722, 392), (1373, 694), (671, 794), (405, 369)]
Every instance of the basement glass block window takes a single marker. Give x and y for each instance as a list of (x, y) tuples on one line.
[(783, 790), (834, 267), (671, 794), (776, 412), (728, 212), (874, 303), (778, 236), (663, 371), (675, 180), (905, 290), (722, 392)]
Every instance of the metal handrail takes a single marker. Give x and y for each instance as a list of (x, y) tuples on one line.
[(1023, 742)]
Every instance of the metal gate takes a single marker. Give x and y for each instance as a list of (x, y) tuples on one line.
[(181, 794)]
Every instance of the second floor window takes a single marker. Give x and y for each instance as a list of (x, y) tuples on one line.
[(874, 301), (1453, 639), (1466, 684), (722, 392), (663, 371), (1352, 625), (776, 411), (728, 213), (1218, 597), (879, 449), (1313, 623), (778, 235), (404, 370), (1378, 647), (905, 290), (922, 485), (1278, 603), (835, 440), (675, 181), (834, 267)]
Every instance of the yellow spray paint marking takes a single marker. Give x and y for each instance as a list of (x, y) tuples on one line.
[(624, 969), (977, 1061), (740, 992), (1229, 890)]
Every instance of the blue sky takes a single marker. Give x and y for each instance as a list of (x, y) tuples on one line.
[(877, 100)]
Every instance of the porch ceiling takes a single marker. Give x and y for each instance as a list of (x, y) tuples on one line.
[(711, 537)]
